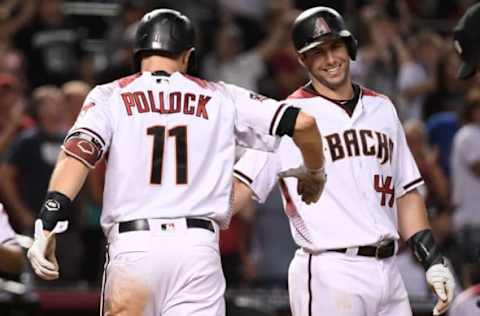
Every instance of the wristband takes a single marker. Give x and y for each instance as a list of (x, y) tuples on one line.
[(425, 249), (56, 208)]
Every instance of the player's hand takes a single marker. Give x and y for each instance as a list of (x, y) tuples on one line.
[(441, 279), (42, 253), (310, 182)]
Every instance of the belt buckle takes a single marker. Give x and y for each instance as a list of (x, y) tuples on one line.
[(377, 252)]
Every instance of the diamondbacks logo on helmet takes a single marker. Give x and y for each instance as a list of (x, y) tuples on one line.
[(321, 27)]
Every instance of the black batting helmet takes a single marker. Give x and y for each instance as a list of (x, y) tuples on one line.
[(312, 25), (163, 30), (467, 41)]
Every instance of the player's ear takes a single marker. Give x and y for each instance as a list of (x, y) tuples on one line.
[(186, 57), (185, 60), (301, 60)]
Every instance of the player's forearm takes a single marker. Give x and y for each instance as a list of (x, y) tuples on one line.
[(68, 176), (412, 214), (242, 196), (308, 139), (11, 259)]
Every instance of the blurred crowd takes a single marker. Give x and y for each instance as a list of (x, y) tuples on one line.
[(52, 52)]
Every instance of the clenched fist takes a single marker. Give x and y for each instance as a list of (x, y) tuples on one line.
[(310, 182)]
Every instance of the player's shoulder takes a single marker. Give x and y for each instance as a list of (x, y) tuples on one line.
[(374, 97), (376, 101), (105, 90), (301, 93), (124, 81), (198, 82)]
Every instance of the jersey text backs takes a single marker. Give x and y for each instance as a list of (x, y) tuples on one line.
[(175, 102)]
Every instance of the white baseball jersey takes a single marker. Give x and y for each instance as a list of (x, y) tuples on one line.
[(7, 235), (368, 164), (466, 185), (170, 143)]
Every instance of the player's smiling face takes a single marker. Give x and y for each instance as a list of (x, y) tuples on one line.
[(328, 63)]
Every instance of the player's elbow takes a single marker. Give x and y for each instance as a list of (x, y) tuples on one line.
[(305, 124), (306, 130), (12, 261)]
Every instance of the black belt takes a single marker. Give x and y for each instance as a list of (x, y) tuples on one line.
[(379, 252), (142, 224)]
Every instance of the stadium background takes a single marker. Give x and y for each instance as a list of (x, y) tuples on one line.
[(52, 52)]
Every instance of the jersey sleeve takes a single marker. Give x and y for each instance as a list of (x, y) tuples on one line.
[(406, 173), (95, 118), (257, 119), (258, 170), (7, 235)]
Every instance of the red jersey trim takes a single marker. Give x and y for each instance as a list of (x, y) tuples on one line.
[(471, 292), (370, 93), (201, 82), (302, 94), (125, 81)]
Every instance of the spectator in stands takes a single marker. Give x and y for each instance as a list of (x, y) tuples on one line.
[(32, 157), (119, 40), (418, 69), (284, 73), (449, 93), (375, 65), (75, 93), (121, 63), (52, 45), (14, 14), (436, 184), (441, 107), (12, 107), (230, 64)]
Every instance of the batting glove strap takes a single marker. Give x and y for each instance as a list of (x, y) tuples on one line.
[(425, 249), (56, 208)]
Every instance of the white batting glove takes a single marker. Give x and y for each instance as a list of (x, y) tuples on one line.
[(42, 252), (441, 279), (310, 182)]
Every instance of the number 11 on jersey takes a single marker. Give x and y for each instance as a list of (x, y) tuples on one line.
[(159, 134)]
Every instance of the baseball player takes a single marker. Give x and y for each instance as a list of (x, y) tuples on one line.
[(346, 262), (169, 140), (11, 255), (466, 156)]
